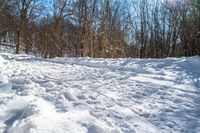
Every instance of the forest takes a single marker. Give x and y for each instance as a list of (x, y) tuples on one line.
[(102, 28)]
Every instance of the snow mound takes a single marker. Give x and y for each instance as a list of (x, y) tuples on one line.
[(41, 117), (191, 65)]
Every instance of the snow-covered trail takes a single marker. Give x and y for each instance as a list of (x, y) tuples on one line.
[(67, 95)]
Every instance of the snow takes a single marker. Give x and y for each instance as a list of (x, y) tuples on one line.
[(84, 95)]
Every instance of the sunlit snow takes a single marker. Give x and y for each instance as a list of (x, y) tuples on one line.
[(84, 95)]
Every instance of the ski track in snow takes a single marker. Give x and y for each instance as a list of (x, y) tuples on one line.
[(65, 95)]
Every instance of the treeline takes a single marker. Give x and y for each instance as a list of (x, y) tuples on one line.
[(102, 28)]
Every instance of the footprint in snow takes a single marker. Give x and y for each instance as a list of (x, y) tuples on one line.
[(67, 95), (7, 87)]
